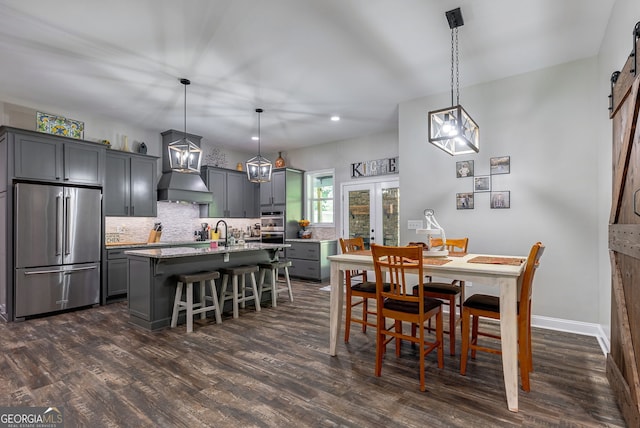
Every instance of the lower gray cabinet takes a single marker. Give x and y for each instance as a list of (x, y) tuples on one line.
[(117, 271), (309, 259)]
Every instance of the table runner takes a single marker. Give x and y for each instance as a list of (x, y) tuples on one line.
[(497, 260), (436, 261)]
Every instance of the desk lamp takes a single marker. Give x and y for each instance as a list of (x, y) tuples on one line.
[(433, 228)]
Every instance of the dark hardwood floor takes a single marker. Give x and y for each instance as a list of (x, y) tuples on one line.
[(271, 369)]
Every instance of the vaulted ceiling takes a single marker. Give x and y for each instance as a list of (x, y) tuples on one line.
[(300, 60)]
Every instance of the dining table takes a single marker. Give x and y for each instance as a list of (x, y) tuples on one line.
[(500, 271)]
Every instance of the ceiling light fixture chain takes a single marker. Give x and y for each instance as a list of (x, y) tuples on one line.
[(185, 83), (452, 66), (457, 71)]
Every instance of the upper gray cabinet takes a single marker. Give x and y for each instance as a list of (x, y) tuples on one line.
[(273, 193), (283, 192), (58, 159), (234, 196), (130, 185)]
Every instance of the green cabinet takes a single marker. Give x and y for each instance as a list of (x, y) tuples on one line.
[(234, 196), (130, 185), (57, 159)]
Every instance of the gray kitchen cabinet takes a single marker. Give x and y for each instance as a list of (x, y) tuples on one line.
[(251, 202), (58, 159), (234, 196), (273, 194), (116, 268), (309, 259), (117, 271), (130, 185)]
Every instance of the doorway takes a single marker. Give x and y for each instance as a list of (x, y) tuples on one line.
[(370, 210)]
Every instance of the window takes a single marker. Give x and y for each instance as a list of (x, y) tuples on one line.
[(319, 191)]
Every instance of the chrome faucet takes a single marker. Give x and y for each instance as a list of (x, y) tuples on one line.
[(226, 232)]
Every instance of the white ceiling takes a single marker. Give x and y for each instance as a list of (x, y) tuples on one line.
[(300, 60)]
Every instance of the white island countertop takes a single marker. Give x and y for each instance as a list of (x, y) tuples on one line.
[(175, 252)]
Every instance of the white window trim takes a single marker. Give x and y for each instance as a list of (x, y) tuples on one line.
[(307, 192)]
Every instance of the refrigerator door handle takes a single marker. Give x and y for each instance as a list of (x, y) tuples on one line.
[(64, 271), (67, 218), (58, 226), (70, 271), (43, 272)]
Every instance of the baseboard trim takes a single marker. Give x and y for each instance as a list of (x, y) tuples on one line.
[(577, 327)]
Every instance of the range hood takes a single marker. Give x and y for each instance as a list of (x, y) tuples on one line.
[(180, 186)]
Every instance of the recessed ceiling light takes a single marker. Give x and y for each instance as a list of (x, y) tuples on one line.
[(255, 138), (335, 118)]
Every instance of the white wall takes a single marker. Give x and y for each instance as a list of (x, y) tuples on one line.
[(545, 121)]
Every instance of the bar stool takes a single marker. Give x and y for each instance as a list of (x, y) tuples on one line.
[(188, 304), (273, 286), (239, 295)]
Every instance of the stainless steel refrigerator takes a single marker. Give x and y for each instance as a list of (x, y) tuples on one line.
[(57, 248)]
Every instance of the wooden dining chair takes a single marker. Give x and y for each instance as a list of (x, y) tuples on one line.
[(398, 265), (448, 291), (482, 305), (361, 291)]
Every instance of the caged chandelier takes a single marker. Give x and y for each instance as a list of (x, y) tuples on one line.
[(452, 129), (258, 167), (184, 155)]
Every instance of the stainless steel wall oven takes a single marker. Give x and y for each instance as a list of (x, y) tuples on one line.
[(272, 227)]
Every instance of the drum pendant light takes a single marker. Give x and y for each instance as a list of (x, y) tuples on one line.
[(184, 155), (452, 129), (259, 168)]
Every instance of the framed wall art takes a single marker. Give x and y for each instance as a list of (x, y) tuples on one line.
[(464, 169), (482, 183), (500, 200), (464, 201), (58, 125), (500, 165)]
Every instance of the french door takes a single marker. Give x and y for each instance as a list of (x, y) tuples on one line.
[(370, 210)]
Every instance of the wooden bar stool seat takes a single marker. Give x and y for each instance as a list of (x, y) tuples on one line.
[(200, 307), (238, 294), (272, 268)]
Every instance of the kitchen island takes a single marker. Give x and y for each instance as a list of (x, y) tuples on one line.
[(151, 283)]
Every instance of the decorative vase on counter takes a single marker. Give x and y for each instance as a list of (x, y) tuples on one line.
[(280, 163), (239, 166)]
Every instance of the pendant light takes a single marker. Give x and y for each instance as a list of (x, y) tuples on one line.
[(259, 168), (452, 129), (184, 155)]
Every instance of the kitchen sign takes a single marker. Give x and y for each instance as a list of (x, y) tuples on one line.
[(374, 167)]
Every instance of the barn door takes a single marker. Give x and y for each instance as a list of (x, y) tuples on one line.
[(623, 362)]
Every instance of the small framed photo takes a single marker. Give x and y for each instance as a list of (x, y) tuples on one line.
[(501, 200), (464, 201), (482, 183), (464, 169), (500, 165)]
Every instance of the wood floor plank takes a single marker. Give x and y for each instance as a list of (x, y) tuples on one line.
[(272, 369)]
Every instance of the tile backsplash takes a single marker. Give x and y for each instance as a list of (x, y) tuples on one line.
[(179, 221)]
